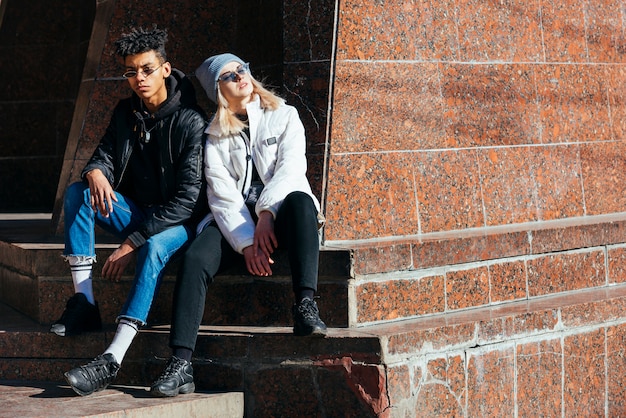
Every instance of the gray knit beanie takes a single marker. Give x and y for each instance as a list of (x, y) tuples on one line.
[(209, 71)]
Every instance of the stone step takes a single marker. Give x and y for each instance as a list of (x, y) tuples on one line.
[(35, 280), (476, 362), (358, 284), (265, 361), (31, 399)]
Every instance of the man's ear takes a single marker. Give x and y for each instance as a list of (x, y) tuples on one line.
[(167, 69)]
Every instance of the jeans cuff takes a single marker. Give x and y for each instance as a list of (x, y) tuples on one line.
[(77, 260), (139, 322)]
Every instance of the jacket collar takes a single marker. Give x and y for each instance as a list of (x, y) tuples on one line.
[(254, 113)]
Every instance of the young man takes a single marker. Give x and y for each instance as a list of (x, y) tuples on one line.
[(142, 183)]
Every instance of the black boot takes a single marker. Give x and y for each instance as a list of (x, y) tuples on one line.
[(306, 319), (93, 376), (79, 316), (177, 378)]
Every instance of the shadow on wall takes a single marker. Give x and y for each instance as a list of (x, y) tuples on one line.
[(46, 44), (3, 6)]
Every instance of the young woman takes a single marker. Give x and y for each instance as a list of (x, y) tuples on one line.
[(260, 200)]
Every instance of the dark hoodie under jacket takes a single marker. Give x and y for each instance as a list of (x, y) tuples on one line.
[(179, 131)]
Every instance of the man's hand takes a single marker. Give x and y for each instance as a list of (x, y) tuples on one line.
[(102, 194), (117, 262)]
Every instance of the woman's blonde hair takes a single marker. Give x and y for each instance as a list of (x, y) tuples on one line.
[(228, 121)]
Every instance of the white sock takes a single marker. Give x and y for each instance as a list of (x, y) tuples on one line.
[(81, 276), (126, 331)]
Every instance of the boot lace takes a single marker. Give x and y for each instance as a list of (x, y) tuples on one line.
[(100, 371), (308, 309), (172, 368)]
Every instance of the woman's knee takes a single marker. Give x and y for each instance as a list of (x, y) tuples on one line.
[(298, 205), (298, 201), (203, 257)]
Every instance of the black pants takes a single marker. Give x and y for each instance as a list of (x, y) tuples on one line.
[(296, 231)]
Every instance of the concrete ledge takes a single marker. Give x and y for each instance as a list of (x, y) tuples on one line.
[(36, 399), (414, 252)]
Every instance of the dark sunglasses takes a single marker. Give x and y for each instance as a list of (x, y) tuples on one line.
[(145, 72), (242, 70)]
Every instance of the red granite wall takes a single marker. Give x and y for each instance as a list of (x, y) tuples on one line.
[(443, 117), (463, 115), (539, 359)]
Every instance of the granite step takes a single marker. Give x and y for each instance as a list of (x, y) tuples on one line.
[(35, 280), (273, 368), (382, 370)]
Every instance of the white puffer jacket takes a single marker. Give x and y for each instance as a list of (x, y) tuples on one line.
[(277, 146)]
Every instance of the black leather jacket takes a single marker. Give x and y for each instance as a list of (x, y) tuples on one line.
[(179, 132)]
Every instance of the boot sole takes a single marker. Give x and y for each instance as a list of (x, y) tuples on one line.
[(59, 332), (183, 390), (64, 332), (315, 332)]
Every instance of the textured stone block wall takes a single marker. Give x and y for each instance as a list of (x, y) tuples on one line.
[(254, 30), (460, 115), (42, 50), (308, 30), (559, 362)]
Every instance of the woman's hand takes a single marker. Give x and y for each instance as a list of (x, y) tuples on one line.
[(258, 256), (264, 237), (257, 262)]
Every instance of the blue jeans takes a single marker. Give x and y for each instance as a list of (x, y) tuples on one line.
[(80, 221)]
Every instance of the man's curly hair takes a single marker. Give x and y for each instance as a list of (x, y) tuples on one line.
[(141, 40)]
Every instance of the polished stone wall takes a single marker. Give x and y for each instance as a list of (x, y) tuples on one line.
[(468, 153), (294, 59), (43, 45), (252, 29), (465, 115), (422, 118)]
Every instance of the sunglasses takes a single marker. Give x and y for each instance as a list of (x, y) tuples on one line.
[(242, 70), (145, 72)]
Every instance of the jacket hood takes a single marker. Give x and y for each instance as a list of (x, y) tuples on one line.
[(180, 94)]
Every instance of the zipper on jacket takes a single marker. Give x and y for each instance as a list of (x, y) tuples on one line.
[(246, 141), (126, 157)]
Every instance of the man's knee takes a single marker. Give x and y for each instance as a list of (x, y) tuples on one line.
[(76, 192), (155, 249)]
